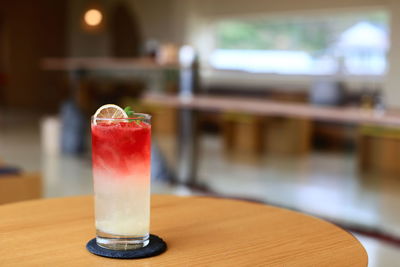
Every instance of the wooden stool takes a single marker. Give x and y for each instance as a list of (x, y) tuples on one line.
[(288, 136), (164, 120), (243, 134), (379, 149)]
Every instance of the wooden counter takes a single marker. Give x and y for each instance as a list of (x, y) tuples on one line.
[(276, 108), (72, 64)]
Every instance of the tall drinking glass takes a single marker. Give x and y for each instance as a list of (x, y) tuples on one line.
[(121, 175)]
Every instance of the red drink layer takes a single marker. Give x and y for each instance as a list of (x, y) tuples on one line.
[(121, 149)]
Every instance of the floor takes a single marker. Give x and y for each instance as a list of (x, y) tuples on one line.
[(322, 184)]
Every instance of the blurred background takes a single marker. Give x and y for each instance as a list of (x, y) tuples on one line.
[(293, 104)]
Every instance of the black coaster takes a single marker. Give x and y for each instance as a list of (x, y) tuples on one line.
[(155, 247)]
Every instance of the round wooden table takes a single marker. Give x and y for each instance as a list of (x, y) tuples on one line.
[(199, 231)]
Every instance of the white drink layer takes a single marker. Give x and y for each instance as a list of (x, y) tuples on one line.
[(122, 204)]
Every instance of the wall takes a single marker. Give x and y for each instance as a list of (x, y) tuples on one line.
[(32, 30), (220, 8), (392, 85), (155, 19), (84, 43)]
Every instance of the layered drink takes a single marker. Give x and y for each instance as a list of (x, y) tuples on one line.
[(121, 172)]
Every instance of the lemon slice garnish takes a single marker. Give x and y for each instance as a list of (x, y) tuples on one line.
[(109, 111)]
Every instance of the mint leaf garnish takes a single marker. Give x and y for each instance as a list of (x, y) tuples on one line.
[(128, 110)]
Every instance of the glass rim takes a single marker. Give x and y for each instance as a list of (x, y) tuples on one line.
[(136, 116)]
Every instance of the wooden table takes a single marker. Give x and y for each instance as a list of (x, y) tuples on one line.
[(199, 231)]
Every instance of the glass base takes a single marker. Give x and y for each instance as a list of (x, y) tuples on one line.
[(121, 242)]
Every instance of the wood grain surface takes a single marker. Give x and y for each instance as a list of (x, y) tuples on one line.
[(199, 231)]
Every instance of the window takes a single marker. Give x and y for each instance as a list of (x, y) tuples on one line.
[(347, 43)]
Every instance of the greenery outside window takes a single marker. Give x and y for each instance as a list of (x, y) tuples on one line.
[(337, 43)]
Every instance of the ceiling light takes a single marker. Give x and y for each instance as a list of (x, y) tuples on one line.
[(93, 17)]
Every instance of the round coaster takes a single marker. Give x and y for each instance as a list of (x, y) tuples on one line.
[(155, 247)]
